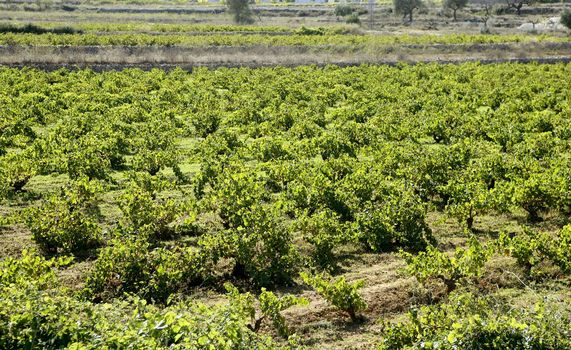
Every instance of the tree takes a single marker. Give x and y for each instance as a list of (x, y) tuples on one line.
[(566, 18), (517, 5), (486, 15), (407, 7), (241, 11), (342, 10), (455, 5)]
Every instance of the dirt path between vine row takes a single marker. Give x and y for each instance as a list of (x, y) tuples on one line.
[(103, 58)]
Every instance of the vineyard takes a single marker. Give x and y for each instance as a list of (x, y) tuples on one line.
[(302, 37), (414, 206)]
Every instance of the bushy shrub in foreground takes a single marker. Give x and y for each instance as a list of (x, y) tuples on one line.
[(339, 293), (134, 266), (470, 322), (37, 313), (67, 222)]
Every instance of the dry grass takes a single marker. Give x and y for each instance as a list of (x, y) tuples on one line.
[(147, 57), (13, 240)]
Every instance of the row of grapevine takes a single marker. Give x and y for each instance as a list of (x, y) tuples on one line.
[(331, 40), (178, 179)]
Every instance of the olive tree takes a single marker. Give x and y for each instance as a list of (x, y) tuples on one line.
[(566, 18), (455, 5), (486, 15), (240, 10), (407, 7), (517, 4)]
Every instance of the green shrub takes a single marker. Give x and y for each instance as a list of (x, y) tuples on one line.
[(310, 190), (234, 193), (560, 249), (466, 198), (16, 170), (67, 222), (528, 249), (266, 149), (324, 231), (397, 220), (155, 146), (219, 143), (89, 157), (270, 306), (334, 145), (534, 193), (146, 216), (31, 269), (339, 293), (205, 123), (133, 266), (464, 265), (122, 267), (532, 248), (154, 160), (303, 30), (470, 322), (209, 170), (262, 248), (353, 19), (343, 10), (36, 312)]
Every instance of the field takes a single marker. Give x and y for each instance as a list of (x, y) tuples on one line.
[(145, 34), (169, 179)]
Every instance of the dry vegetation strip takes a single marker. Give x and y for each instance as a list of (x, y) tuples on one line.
[(116, 57)]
